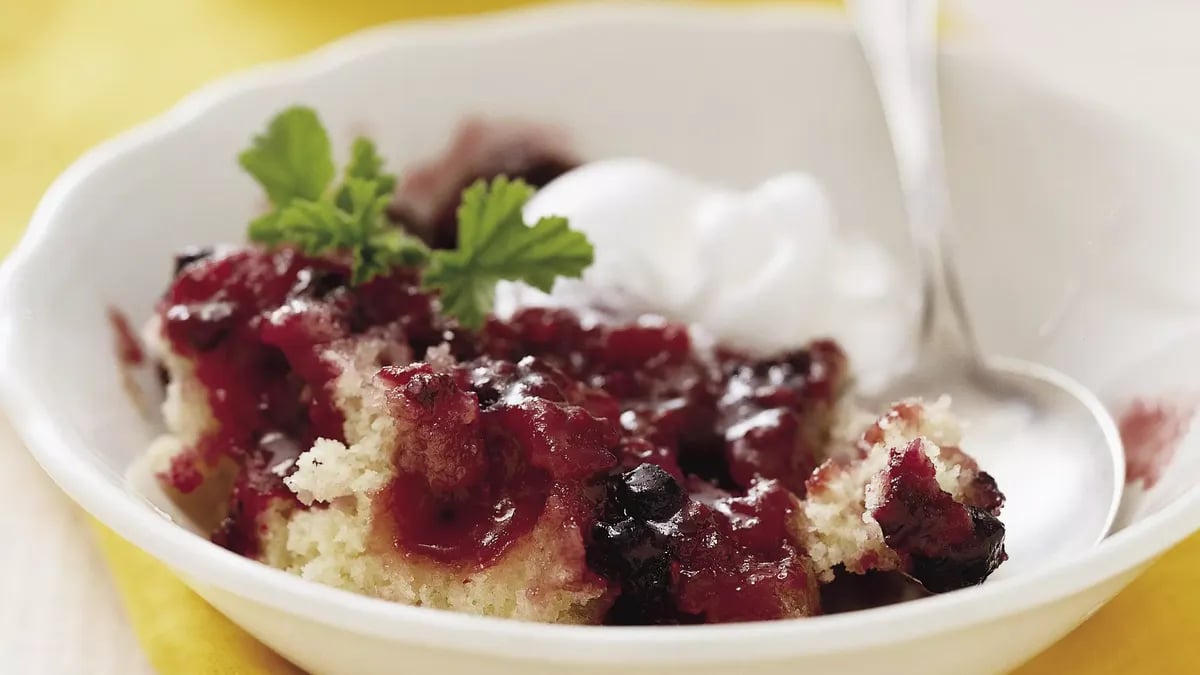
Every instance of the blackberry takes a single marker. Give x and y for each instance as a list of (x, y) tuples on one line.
[(648, 492)]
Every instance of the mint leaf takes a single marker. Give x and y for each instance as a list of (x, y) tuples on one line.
[(387, 251), (496, 244), (366, 163), (294, 164), (320, 227), (376, 245), (292, 160), (314, 227)]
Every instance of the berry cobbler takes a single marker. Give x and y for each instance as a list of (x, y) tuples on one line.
[(342, 403)]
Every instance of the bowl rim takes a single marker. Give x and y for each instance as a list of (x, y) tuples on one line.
[(204, 564)]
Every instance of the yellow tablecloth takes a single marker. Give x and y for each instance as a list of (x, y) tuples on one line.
[(73, 72)]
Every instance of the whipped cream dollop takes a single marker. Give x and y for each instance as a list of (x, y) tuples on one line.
[(763, 269)]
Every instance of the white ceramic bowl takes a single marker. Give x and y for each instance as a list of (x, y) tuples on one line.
[(1079, 251)]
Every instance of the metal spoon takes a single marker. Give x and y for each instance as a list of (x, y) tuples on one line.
[(1049, 442)]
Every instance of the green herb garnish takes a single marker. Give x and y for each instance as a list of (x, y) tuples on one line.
[(293, 162), (494, 243)]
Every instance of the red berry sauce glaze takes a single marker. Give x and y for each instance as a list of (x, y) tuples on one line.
[(258, 486), (680, 467), (738, 559), (775, 413), (1151, 431), (725, 417), (943, 544), (254, 324), (538, 411), (489, 442), (129, 349), (701, 558), (661, 391)]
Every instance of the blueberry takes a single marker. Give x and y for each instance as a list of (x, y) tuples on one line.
[(637, 555), (649, 493), (967, 564), (635, 541), (632, 544)]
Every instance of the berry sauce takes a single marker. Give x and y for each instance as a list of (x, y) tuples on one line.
[(492, 440), (775, 414), (604, 423), (255, 325), (1151, 431), (681, 466), (946, 545), (739, 561)]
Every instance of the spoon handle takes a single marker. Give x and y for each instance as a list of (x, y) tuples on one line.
[(899, 40)]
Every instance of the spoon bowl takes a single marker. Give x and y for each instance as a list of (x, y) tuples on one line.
[(1046, 439)]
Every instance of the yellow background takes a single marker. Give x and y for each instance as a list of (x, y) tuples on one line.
[(73, 72)]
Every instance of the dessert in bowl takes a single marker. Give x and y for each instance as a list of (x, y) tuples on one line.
[(1056, 306), (342, 404)]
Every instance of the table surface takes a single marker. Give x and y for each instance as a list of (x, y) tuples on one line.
[(58, 611)]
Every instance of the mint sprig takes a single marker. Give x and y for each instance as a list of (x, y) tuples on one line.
[(365, 164), (495, 243), (293, 161)]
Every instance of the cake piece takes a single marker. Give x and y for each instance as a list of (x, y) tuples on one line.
[(454, 495), (397, 481), (543, 468), (741, 558), (941, 542), (474, 479), (906, 498), (480, 478)]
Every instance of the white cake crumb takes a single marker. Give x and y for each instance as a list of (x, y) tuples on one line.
[(837, 524)]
